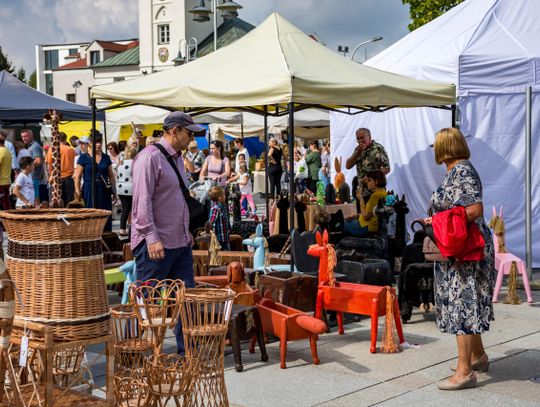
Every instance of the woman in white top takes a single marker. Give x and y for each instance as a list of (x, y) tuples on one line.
[(300, 171), (125, 187), (244, 183)]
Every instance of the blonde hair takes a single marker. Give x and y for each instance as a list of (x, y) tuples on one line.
[(450, 145), (215, 193), (130, 153)]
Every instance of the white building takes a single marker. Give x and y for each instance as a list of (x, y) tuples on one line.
[(67, 71)]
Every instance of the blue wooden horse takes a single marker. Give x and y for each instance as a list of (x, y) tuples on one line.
[(261, 247)]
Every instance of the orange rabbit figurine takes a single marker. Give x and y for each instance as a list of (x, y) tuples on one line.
[(339, 180)]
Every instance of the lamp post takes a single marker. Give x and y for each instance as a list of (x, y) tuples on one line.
[(201, 13), (364, 43), (76, 85), (343, 49)]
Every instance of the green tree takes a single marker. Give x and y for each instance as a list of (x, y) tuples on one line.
[(5, 64), (423, 11), (32, 80), (21, 75)]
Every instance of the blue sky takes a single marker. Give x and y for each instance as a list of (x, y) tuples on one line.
[(337, 22)]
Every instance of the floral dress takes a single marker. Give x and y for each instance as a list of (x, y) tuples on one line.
[(463, 291)]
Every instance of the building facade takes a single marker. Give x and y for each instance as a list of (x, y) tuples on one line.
[(68, 71)]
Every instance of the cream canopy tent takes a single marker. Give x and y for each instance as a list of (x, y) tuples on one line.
[(273, 65), (276, 69)]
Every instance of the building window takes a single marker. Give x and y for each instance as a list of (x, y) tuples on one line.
[(70, 97), (94, 57), (49, 83), (119, 79), (163, 34), (73, 51), (51, 59)]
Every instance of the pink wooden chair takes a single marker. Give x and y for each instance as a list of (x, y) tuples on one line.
[(503, 264)]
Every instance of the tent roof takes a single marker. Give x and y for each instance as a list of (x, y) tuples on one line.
[(479, 45), (19, 103), (273, 65)]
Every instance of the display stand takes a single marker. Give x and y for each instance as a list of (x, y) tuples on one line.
[(205, 321)]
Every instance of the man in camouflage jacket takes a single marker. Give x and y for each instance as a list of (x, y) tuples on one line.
[(367, 156)]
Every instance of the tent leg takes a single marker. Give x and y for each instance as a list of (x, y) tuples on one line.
[(528, 179), (266, 197), (105, 132), (291, 173), (454, 116), (93, 102)]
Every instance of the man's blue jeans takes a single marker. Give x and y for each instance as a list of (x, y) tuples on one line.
[(176, 265)]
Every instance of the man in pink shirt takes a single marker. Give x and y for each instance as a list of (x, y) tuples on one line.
[(160, 235)]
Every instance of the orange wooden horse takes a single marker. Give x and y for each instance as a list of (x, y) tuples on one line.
[(353, 298)]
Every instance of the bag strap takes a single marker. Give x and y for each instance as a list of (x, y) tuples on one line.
[(175, 168)]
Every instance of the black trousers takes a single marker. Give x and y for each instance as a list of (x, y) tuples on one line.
[(274, 179), (68, 189), (313, 185), (126, 201)]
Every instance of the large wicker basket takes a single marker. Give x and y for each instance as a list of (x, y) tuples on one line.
[(56, 260)]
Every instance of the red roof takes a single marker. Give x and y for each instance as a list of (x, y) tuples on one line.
[(80, 63), (112, 46)]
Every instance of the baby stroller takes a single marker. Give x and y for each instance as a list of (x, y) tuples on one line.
[(416, 277)]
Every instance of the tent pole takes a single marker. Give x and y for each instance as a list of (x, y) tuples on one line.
[(93, 102), (266, 197), (454, 116), (528, 177), (291, 173), (105, 132)]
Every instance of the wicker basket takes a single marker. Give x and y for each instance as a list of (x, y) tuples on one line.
[(56, 260), (205, 320)]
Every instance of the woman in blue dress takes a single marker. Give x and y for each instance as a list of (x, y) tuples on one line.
[(105, 181), (463, 290)]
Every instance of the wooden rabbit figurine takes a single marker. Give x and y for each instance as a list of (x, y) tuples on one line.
[(339, 180)]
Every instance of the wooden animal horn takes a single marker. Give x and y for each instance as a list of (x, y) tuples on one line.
[(325, 237), (494, 210), (337, 165), (319, 239)]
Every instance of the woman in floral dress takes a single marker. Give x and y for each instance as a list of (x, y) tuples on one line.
[(463, 290)]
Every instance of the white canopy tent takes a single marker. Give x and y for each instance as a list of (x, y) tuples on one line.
[(490, 48), (309, 123)]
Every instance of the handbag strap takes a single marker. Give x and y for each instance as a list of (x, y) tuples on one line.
[(175, 168)]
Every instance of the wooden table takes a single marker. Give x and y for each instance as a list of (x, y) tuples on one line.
[(201, 260), (348, 209)]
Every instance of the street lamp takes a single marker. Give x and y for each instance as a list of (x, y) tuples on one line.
[(343, 49), (201, 13), (364, 43)]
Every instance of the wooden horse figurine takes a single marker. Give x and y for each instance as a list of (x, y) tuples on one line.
[(353, 298)]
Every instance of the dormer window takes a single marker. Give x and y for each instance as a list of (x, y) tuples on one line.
[(163, 34), (95, 58)]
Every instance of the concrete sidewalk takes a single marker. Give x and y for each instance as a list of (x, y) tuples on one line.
[(350, 376)]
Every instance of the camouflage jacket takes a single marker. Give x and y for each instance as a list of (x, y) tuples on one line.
[(373, 158)]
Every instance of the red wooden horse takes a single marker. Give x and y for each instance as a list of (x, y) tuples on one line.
[(353, 298)]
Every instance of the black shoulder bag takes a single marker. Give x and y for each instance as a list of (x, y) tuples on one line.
[(195, 208)]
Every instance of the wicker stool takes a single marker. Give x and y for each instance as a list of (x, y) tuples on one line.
[(205, 321), (130, 388), (157, 306), (170, 377), (132, 343)]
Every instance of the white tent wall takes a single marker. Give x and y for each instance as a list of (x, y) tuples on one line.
[(490, 49), (406, 135)]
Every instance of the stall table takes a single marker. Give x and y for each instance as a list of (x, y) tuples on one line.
[(201, 260), (258, 182)]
